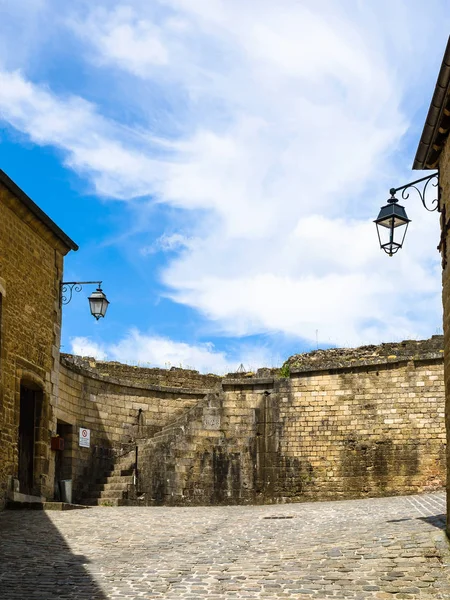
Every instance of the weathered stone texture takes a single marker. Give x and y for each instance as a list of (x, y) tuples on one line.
[(366, 355), (31, 259), (171, 377), (378, 430), (444, 182), (340, 432)]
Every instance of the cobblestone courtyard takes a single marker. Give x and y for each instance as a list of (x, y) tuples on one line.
[(379, 548)]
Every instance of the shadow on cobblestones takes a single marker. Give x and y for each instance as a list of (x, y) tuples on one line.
[(37, 564), (382, 548), (436, 520)]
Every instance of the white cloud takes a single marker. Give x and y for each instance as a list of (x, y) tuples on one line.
[(123, 38), (82, 346), (105, 151), (291, 113), (168, 243), (157, 351), (325, 277)]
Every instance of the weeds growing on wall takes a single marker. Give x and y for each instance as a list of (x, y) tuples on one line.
[(285, 370)]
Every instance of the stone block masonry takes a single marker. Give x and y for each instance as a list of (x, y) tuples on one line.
[(345, 424), (31, 263), (171, 377), (119, 404), (444, 247)]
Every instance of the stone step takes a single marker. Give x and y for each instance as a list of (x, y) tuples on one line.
[(126, 458), (100, 487), (121, 472), (107, 494), (105, 502), (123, 466), (119, 479), (115, 474), (111, 494), (116, 486)]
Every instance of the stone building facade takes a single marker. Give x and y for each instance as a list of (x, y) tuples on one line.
[(32, 249), (434, 153)]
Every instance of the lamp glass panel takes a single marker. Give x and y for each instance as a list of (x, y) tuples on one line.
[(104, 307), (384, 231), (391, 237), (96, 305)]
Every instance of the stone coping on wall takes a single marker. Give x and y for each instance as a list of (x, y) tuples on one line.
[(388, 353), (126, 383), (333, 366), (332, 359), (365, 364)]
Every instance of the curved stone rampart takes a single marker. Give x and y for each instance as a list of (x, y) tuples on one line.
[(173, 377), (338, 423)]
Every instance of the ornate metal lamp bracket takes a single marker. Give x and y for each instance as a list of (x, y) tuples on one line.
[(430, 205), (68, 287)]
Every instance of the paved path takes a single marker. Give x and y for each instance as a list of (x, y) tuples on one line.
[(379, 548)]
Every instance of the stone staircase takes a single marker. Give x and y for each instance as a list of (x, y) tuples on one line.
[(119, 485), (183, 453), (117, 488)]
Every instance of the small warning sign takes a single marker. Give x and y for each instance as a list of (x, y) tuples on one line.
[(85, 438)]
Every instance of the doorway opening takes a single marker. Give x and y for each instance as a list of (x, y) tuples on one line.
[(29, 429), (63, 458)]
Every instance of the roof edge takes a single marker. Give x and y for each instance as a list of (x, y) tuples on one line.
[(432, 140), (38, 212)]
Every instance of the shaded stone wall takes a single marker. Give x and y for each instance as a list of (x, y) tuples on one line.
[(366, 429), (208, 455), (116, 411), (31, 261), (444, 183)]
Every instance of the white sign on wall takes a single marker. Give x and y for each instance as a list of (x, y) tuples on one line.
[(85, 438)]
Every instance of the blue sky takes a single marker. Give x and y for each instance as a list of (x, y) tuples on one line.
[(220, 163)]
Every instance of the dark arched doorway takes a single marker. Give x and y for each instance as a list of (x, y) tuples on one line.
[(29, 433)]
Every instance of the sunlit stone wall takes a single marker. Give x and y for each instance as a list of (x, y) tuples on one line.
[(337, 427)]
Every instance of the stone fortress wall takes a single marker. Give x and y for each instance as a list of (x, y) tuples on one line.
[(336, 423)]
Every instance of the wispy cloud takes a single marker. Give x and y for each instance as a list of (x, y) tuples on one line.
[(115, 158), (123, 38), (158, 351), (82, 346), (168, 243)]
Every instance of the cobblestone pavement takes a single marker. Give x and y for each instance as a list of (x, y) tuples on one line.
[(378, 548)]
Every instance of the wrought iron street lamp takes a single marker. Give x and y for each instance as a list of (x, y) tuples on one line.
[(392, 222), (98, 303)]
